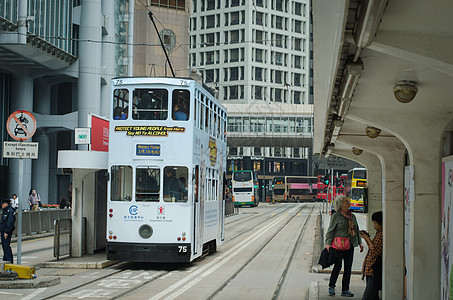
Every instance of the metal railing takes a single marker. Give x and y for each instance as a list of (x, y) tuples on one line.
[(41, 221), (230, 209), (62, 238)]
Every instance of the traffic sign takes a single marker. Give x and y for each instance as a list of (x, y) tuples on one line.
[(20, 150), (21, 125)]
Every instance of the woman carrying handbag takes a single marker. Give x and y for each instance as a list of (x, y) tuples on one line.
[(343, 236)]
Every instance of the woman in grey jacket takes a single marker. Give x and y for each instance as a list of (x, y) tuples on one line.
[(343, 224)]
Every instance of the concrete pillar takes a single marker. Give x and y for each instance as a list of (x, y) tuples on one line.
[(108, 56), (391, 153), (22, 95), (89, 84), (40, 175), (425, 253), (130, 39)]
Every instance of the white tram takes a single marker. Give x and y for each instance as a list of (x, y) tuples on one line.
[(167, 160)]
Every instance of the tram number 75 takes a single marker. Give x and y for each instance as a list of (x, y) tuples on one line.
[(182, 250)]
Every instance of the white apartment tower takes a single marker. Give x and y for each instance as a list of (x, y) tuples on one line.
[(252, 50), (256, 53)]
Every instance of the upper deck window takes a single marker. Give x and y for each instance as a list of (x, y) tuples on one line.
[(181, 105), (150, 104), (120, 104)]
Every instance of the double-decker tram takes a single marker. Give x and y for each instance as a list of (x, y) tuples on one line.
[(166, 160), (245, 188)]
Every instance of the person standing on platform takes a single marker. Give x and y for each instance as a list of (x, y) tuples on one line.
[(372, 264), (6, 230), (34, 199), (343, 236), (14, 202)]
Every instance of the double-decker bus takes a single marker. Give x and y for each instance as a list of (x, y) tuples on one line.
[(245, 188), (166, 160), (356, 188), (297, 189), (278, 189)]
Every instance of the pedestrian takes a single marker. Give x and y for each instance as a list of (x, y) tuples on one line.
[(6, 230), (34, 199), (372, 264), (64, 203), (14, 202), (343, 236)]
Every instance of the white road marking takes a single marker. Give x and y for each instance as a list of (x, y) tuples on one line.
[(6, 293), (34, 294), (213, 265)]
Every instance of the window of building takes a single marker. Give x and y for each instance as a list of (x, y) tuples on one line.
[(297, 44), (234, 92), (259, 3), (278, 58), (279, 40), (297, 26), (234, 53), (177, 4), (259, 55), (297, 79), (210, 21), (258, 92), (279, 5), (297, 97), (259, 74), (298, 9), (210, 39), (259, 38), (234, 73), (209, 76), (234, 18), (259, 18), (278, 76), (278, 95), (211, 4), (169, 39), (279, 22), (234, 36)]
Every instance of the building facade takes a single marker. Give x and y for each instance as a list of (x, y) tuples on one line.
[(256, 55)]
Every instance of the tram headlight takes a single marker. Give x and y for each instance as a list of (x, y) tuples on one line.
[(145, 231)]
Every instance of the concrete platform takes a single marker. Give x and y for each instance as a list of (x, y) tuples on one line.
[(93, 261)]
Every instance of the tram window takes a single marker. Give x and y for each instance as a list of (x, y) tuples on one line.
[(120, 104), (181, 105), (147, 184), (121, 187), (150, 104), (175, 184)]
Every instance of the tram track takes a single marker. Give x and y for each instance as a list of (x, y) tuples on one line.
[(200, 270), (250, 228), (261, 249)]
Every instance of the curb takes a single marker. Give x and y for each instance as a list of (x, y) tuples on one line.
[(29, 283), (79, 265), (313, 293)]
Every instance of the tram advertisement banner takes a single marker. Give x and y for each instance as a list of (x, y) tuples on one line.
[(446, 280)]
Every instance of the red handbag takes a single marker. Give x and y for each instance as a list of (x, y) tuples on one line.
[(341, 243)]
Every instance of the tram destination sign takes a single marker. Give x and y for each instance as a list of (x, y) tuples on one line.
[(20, 150)]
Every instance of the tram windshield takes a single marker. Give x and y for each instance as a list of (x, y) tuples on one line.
[(147, 184)]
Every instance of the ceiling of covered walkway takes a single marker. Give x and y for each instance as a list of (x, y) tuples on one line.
[(366, 50)]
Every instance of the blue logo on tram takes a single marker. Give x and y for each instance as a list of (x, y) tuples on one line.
[(133, 210)]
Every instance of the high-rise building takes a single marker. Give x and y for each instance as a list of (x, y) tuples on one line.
[(256, 54)]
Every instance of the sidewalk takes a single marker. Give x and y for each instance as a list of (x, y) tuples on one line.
[(319, 290)]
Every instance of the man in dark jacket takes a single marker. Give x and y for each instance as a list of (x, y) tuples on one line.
[(6, 230)]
